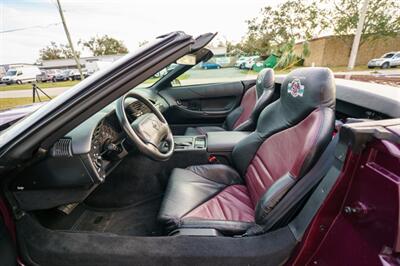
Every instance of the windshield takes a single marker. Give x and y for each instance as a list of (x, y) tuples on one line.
[(387, 56), (11, 73)]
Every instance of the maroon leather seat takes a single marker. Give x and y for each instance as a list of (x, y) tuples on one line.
[(290, 136), (244, 117)]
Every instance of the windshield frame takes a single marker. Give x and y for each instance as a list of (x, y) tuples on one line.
[(56, 118)]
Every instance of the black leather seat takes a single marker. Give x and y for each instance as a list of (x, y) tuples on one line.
[(290, 136), (244, 117)]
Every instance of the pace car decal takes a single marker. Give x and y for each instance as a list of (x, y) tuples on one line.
[(295, 88)]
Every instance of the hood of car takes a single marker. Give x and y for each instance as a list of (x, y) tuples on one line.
[(12, 115)]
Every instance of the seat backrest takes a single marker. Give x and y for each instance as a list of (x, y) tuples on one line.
[(253, 102), (291, 133)]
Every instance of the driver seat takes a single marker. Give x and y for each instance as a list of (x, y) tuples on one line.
[(290, 136), (244, 117)]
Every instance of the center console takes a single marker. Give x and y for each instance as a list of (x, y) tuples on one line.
[(216, 146), (190, 143)]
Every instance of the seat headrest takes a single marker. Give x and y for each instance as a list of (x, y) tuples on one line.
[(306, 89), (302, 91), (265, 81)]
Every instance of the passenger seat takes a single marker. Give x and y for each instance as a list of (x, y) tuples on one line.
[(244, 117)]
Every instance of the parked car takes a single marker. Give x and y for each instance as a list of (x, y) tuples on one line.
[(387, 60), (63, 75), (161, 73), (2, 73), (249, 63), (47, 75), (95, 66), (210, 65), (270, 62), (74, 74), (42, 77), (20, 75), (241, 62), (103, 175)]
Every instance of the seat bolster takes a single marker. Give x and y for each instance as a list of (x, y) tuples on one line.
[(272, 196), (248, 125), (226, 227)]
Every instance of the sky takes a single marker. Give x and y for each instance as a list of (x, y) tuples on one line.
[(127, 20)]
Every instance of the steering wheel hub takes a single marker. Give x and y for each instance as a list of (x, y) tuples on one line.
[(150, 131)]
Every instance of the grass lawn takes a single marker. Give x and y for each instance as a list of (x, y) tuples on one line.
[(6, 103), (45, 85)]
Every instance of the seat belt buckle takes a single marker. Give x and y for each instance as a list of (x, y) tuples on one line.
[(212, 159)]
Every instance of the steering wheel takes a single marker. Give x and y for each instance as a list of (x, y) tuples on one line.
[(150, 132)]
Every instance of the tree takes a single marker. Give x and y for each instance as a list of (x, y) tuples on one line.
[(55, 51), (382, 19), (289, 58), (292, 20), (104, 45)]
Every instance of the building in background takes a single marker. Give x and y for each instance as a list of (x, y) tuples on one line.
[(84, 61), (331, 51)]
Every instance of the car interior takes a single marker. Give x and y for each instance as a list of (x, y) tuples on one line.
[(198, 163)]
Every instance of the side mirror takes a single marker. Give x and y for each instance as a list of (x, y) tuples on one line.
[(19, 74)]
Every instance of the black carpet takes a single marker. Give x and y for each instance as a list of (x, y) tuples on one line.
[(138, 219)]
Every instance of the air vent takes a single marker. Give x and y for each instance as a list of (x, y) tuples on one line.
[(62, 148), (97, 130)]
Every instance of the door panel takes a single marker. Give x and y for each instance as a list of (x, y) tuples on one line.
[(205, 104), (358, 224)]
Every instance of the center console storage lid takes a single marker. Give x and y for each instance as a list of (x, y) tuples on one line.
[(224, 141)]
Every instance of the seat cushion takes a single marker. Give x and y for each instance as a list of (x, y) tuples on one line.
[(207, 196), (196, 131), (232, 203)]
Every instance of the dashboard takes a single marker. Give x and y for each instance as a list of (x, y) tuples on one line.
[(87, 154)]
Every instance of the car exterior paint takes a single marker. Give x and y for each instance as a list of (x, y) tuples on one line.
[(360, 217), (387, 60), (21, 75), (210, 65)]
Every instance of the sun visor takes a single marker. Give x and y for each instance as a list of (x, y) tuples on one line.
[(201, 41)]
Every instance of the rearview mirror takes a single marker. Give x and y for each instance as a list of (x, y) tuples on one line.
[(189, 59)]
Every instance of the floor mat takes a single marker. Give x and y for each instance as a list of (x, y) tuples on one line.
[(138, 219)]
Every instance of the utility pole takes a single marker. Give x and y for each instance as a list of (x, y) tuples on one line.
[(78, 64), (357, 36)]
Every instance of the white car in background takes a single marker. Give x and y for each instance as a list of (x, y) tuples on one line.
[(21, 75), (240, 62), (387, 60), (246, 62), (251, 61)]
